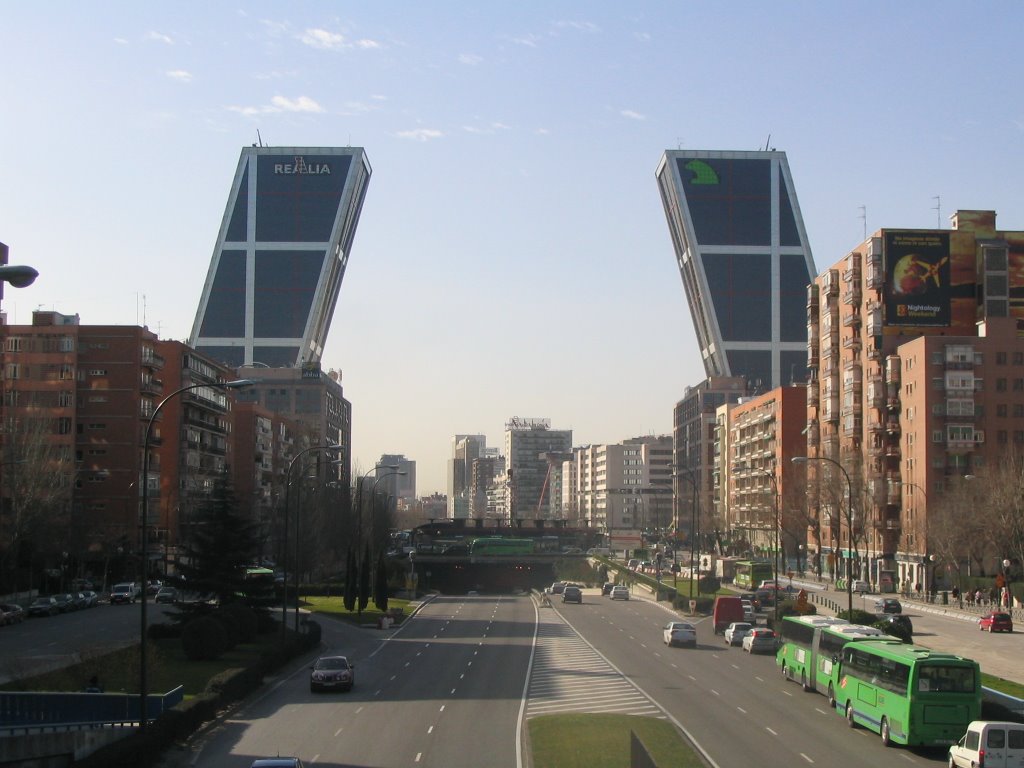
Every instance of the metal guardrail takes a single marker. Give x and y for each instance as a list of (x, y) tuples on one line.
[(25, 712)]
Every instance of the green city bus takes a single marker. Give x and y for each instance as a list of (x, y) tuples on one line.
[(497, 545), (907, 694), (750, 573), (811, 645)]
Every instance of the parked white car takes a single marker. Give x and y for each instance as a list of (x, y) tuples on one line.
[(736, 631)]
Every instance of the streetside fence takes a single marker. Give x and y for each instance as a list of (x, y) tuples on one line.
[(23, 712)]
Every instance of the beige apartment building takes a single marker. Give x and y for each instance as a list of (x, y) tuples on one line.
[(886, 437)]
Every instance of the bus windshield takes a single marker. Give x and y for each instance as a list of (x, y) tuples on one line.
[(946, 679)]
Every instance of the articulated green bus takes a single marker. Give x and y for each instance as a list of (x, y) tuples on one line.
[(750, 573), (497, 545), (811, 645), (907, 694)]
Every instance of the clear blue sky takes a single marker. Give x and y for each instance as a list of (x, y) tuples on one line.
[(513, 257)]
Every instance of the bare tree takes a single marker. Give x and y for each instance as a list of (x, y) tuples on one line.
[(36, 495)]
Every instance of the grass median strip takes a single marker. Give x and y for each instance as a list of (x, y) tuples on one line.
[(602, 741)]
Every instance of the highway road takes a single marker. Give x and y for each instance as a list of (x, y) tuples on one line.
[(735, 706), (446, 690)]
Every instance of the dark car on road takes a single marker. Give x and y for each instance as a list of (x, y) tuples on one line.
[(166, 595), (11, 613), (897, 625), (277, 762), (572, 594), (65, 602), (332, 673), (43, 606), (606, 589), (888, 605)]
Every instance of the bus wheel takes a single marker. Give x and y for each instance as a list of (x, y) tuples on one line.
[(849, 715), (803, 682), (785, 671), (886, 741), (831, 696)]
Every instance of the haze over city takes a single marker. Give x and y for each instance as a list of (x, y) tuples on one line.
[(512, 258)]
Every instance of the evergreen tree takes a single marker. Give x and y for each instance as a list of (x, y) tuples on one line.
[(214, 561), (351, 580), (380, 584), (364, 580)]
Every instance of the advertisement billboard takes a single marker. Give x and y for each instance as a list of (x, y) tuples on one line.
[(917, 278)]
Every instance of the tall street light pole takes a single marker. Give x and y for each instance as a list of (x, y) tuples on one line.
[(144, 536), (284, 544), (925, 557), (849, 521)]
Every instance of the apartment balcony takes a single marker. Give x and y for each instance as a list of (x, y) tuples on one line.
[(830, 283), (853, 295), (151, 387), (875, 276), (152, 360), (852, 319), (892, 403), (874, 352), (892, 426), (813, 396), (892, 451), (876, 426)]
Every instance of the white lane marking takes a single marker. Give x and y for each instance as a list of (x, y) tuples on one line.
[(674, 665), (315, 757), (907, 757), (787, 693), (715, 692), (805, 757), (453, 690), (759, 679), (692, 678), (393, 678), (773, 733), (818, 709), (441, 709), (734, 666), (359, 710), (741, 709), (469, 663), (408, 663), (418, 756), (338, 731), (462, 676), (430, 729)]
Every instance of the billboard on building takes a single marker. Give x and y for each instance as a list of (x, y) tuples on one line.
[(917, 278)]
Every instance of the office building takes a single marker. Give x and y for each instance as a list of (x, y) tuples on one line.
[(744, 259), (397, 476), (281, 254), (465, 450), (531, 448)]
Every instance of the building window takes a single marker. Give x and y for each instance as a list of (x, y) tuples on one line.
[(14, 344), (63, 426), (1018, 385), (1018, 436), (97, 372), (65, 399), (937, 436), (13, 371), (1001, 437), (1018, 358), (1001, 410), (1000, 385), (1000, 358)]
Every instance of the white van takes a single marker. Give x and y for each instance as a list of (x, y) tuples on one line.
[(991, 744)]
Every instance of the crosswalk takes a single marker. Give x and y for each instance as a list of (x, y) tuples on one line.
[(568, 675)]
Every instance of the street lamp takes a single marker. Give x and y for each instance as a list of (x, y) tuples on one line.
[(143, 546), (849, 522), (284, 546), (298, 539), (18, 275)]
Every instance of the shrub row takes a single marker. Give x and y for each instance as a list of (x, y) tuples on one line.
[(181, 721)]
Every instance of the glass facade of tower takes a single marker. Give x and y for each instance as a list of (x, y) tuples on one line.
[(744, 260), (281, 255)]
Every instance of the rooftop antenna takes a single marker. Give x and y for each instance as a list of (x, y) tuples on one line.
[(679, 143), (259, 139), (768, 142), (938, 211), (864, 220)]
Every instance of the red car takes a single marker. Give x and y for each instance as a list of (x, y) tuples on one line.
[(996, 621)]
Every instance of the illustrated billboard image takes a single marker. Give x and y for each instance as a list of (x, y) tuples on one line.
[(917, 285)]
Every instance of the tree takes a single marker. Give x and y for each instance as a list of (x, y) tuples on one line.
[(351, 580), (364, 580), (380, 588), (222, 547)]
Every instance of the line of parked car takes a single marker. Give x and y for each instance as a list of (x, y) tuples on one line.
[(63, 602)]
